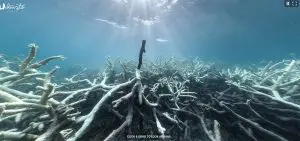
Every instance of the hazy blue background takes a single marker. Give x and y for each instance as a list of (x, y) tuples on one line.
[(85, 31)]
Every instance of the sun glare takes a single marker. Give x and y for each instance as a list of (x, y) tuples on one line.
[(145, 18)]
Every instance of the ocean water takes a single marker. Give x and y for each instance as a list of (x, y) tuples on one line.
[(231, 31), (205, 74)]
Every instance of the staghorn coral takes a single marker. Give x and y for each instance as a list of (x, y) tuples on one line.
[(166, 99)]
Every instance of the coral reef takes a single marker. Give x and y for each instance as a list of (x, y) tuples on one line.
[(166, 99)]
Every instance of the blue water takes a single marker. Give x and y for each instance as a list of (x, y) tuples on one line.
[(85, 31)]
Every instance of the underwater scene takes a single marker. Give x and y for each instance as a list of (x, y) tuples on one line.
[(149, 70)]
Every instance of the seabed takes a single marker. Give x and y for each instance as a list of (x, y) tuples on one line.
[(167, 99)]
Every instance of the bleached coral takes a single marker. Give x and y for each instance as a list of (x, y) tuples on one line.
[(169, 99)]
